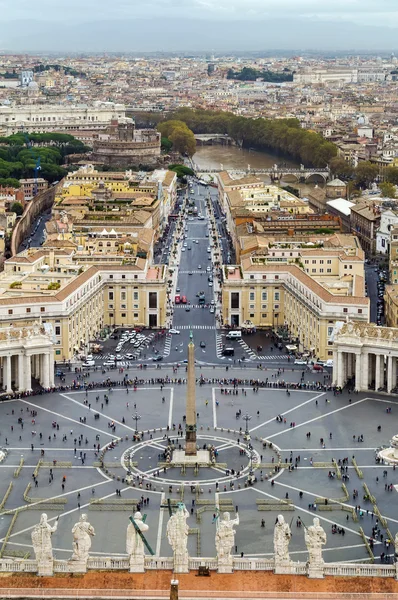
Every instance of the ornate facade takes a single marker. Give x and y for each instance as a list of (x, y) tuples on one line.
[(365, 355), (26, 353)]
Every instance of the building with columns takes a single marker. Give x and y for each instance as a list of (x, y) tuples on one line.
[(26, 353), (365, 356)]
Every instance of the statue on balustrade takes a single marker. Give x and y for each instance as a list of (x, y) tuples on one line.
[(41, 539), (177, 534), (315, 538), (282, 535), (225, 539), (135, 543), (82, 534)]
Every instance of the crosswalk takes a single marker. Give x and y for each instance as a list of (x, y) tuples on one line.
[(196, 327), (203, 271), (247, 349), (167, 346), (273, 357), (219, 345), (190, 306)]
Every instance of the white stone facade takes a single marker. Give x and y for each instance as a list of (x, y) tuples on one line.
[(26, 353), (365, 355)]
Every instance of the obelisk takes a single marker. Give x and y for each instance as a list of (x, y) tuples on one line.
[(190, 426)]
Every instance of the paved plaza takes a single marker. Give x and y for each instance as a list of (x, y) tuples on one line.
[(59, 430)]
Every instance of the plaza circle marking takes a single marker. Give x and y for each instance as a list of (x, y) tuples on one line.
[(205, 437)]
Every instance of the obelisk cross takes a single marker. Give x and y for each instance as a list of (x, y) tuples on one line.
[(190, 427)]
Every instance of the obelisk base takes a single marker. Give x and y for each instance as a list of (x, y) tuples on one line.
[(201, 458)]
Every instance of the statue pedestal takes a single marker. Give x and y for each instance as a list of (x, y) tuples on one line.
[(316, 571), (200, 458), (284, 568), (181, 563), (77, 566), (225, 566), (137, 564), (45, 568)]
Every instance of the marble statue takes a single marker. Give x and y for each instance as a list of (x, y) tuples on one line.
[(135, 545), (42, 545), (282, 535), (177, 534), (82, 534), (315, 538), (225, 541)]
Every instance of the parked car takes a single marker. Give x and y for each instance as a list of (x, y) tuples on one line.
[(174, 331), (300, 361)]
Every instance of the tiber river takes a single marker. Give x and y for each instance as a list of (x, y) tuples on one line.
[(232, 157)]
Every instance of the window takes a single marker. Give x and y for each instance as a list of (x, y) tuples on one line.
[(264, 296), (328, 270), (276, 306), (234, 299), (314, 262), (123, 306), (122, 296), (329, 262), (330, 331), (58, 352), (306, 262), (57, 330), (313, 270), (153, 300), (42, 309), (321, 270), (123, 315), (110, 276), (110, 296), (276, 296), (251, 296), (345, 266), (264, 315), (276, 276), (359, 311), (135, 315), (251, 276), (264, 277), (123, 277), (28, 310), (251, 306), (111, 315), (10, 311), (345, 310), (135, 295), (321, 262), (251, 315)]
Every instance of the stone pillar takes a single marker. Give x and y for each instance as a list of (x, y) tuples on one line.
[(7, 377), (389, 373), (28, 374), (377, 372), (365, 373), (21, 372), (45, 382), (340, 369), (358, 372), (349, 364), (51, 368)]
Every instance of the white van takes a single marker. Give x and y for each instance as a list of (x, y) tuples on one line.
[(234, 335)]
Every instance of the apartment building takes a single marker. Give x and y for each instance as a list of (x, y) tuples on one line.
[(78, 295)]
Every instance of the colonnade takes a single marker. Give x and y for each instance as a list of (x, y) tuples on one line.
[(19, 367), (366, 368)]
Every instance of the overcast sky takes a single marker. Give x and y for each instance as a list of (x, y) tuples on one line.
[(121, 25)]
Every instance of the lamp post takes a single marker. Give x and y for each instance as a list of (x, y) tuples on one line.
[(136, 418), (247, 418)]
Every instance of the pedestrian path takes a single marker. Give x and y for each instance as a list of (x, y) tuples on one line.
[(273, 357)]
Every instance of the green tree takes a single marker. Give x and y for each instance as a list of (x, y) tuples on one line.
[(341, 168), (17, 208), (365, 173), (166, 144), (388, 189), (391, 175), (183, 141)]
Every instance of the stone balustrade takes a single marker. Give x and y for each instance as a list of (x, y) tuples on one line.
[(121, 563)]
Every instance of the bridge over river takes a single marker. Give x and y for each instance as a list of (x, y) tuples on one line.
[(276, 173)]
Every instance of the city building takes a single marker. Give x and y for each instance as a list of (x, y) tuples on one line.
[(365, 220), (307, 290), (42, 118), (31, 186), (79, 294), (388, 220)]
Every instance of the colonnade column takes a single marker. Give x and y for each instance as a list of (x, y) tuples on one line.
[(45, 360), (21, 372), (394, 372), (340, 369), (390, 371), (365, 373), (7, 380), (358, 371), (51, 368), (28, 374), (378, 382)]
